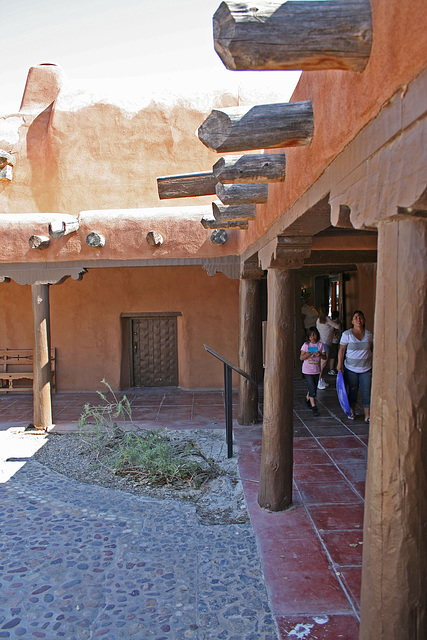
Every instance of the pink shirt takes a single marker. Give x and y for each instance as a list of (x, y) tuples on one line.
[(311, 366)]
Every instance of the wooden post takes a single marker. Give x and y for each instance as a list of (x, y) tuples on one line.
[(394, 574), (42, 398), (249, 346), (275, 483), (264, 126), (307, 35)]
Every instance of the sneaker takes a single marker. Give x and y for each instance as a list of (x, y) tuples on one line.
[(333, 372), (315, 410), (322, 384), (308, 403)]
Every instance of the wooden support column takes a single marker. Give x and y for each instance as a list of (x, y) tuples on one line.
[(394, 574), (275, 483), (41, 357), (249, 341), (282, 256)]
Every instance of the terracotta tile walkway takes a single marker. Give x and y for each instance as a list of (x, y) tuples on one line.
[(312, 553)]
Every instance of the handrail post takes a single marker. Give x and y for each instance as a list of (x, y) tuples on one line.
[(228, 401)]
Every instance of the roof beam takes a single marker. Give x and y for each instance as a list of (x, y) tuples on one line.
[(222, 213), (303, 34), (211, 223), (186, 185), (265, 126), (242, 193), (251, 168)]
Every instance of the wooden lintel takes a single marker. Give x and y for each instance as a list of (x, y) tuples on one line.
[(251, 168), (306, 35), (328, 257), (265, 126), (187, 185), (242, 193), (211, 223), (224, 213)]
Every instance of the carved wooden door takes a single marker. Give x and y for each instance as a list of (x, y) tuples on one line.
[(154, 351)]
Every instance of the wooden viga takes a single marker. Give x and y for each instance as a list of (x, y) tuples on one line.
[(187, 185), (266, 126), (303, 34)]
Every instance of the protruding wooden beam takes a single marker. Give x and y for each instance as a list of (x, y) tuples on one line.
[(242, 193), (303, 34), (251, 168), (38, 242), (60, 228), (187, 185), (154, 239), (223, 213), (219, 236), (211, 223), (94, 239), (265, 126)]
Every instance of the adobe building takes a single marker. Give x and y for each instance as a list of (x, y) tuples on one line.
[(323, 195)]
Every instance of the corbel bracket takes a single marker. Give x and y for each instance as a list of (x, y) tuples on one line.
[(285, 252)]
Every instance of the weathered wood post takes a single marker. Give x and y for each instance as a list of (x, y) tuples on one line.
[(281, 257), (249, 340), (394, 574), (41, 357)]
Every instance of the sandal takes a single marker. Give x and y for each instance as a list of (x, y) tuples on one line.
[(352, 415), (367, 420)]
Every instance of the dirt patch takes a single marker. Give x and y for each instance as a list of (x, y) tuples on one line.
[(219, 500)]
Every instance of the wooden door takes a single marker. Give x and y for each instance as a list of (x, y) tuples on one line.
[(154, 348)]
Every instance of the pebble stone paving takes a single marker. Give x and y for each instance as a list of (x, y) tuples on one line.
[(80, 562)]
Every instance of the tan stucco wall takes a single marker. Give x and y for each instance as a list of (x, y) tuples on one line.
[(344, 102), (86, 327)]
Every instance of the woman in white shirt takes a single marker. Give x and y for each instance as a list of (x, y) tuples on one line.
[(356, 346), (326, 328)]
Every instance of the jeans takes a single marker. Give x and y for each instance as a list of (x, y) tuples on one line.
[(354, 381), (311, 381)]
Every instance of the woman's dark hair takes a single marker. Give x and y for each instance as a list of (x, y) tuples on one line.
[(313, 330), (360, 313)]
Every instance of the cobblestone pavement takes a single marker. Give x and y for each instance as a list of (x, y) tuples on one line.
[(82, 562)]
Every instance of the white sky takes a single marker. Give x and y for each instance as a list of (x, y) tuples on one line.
[(129, 46)]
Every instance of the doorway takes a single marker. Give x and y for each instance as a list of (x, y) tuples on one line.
[(153, 350)]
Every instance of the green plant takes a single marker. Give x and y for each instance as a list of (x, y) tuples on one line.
[(148, 457)]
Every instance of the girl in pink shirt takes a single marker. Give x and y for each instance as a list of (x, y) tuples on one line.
[(312, 352)]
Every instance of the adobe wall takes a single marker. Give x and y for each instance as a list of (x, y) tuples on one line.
[(86, 326), (76, 154), (344, 102)]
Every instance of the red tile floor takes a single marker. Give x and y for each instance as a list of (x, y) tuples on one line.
[(311, 553)]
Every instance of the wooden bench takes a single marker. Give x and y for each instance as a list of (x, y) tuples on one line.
[(16, 366)]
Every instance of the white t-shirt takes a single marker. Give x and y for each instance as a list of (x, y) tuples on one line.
[(310, 314), (358, 356), (326, 330)]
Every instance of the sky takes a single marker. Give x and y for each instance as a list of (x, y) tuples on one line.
[(128, 46)]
